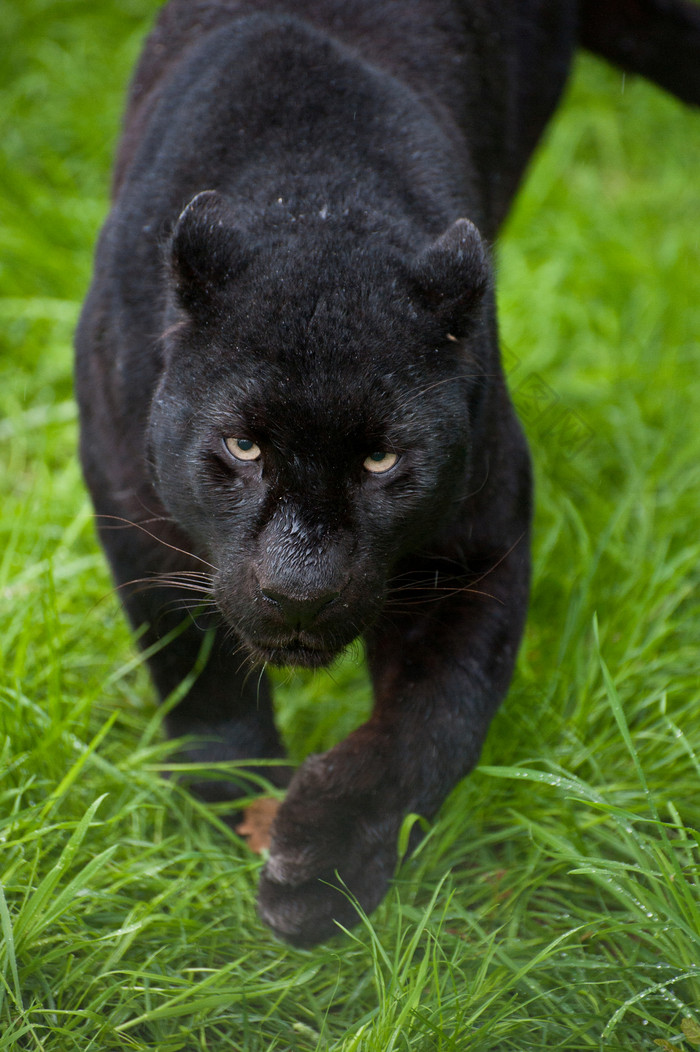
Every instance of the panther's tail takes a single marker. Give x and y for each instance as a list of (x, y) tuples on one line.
[(660, 39)]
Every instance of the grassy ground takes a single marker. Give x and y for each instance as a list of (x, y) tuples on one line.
[(555, 903)]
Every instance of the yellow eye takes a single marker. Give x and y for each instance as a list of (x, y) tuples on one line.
[(242, 448), (378, 463)]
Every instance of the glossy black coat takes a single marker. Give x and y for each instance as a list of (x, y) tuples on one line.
[(297, 257)]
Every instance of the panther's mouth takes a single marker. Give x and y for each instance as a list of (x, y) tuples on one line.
[(294, 653)]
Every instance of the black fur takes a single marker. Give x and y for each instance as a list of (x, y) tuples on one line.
[(297, 258)]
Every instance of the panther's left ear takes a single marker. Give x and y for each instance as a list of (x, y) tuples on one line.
[(452, 275)]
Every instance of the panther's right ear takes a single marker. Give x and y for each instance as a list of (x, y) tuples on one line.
[(206, 251)]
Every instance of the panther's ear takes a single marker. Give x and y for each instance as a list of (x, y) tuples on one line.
[(206, 250), (452, 275)]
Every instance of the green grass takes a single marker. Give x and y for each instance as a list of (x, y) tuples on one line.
[(555, 902)]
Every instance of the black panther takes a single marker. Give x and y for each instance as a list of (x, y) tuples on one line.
[(293, 411)]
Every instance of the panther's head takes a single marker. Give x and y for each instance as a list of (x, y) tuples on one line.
[(313, 419)]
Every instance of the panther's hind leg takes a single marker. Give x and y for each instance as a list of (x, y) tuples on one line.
[(659, 39)]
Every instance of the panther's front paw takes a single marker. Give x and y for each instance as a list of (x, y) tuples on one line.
[(309, 913), (324, 854)]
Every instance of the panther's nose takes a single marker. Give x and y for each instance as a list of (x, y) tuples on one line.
[(299, 612)]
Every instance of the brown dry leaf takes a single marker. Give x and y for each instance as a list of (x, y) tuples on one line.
[(257, 822)]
